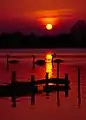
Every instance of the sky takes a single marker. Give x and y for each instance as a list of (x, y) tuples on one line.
[(32, 15)]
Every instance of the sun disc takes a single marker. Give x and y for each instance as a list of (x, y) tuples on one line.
[(49, 26)]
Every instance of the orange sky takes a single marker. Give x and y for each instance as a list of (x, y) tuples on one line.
[(35, 10)]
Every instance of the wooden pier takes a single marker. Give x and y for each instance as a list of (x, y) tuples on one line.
[(16, 88), (58, 84), (55, 81), (59, 81)]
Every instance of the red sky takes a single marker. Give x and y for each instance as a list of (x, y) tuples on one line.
[(31, 15)]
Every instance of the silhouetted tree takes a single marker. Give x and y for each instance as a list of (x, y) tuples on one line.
[(79, 31)]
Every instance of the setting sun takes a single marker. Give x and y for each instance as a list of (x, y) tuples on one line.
[(49, 26)]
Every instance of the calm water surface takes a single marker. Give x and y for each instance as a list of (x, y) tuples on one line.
[(67, 108)]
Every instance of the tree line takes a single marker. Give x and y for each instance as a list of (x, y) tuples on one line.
[(75, 39)]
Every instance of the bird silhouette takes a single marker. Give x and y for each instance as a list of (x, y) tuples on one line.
[(40, 62), (13, 61)]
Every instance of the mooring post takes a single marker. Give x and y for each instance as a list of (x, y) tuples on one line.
[(33, 62), (32, 90), (7, 63), (58, 67), (13, 100), (66, 80), (32, 79), (78, 79), (79, 94), (57, 73), (13, 80), (66, 85), (32, 98), (47, 87), (32, 82), (52, 60), (58, 98), (66, 92), (47, 79)]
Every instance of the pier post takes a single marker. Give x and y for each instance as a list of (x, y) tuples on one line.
[(66, 85), (58, 67), (32, 78), (13, 80), (52, 60), (46, 86), (66, 80), (33, 62), (32, 82), (13, 100), (32, 90), (79, 93), (58, 98), (7, 64), (33, 98), (47, 79), (78, 79)]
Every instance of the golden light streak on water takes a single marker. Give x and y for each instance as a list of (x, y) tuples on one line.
[(49, 64)]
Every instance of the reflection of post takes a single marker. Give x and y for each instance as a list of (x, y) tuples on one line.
[(47, 79), (58, 99), (47, 86), (13, 80), (79, 94), (32, 90), (32, 98), (13, 100), (66, 85)]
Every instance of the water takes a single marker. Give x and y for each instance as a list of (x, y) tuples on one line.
[(45, 108)]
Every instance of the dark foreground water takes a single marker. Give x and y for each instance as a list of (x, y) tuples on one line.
[(72, 107)]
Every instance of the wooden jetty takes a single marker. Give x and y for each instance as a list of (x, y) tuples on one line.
[(17, 88), (32, 85), (14, 93), (33, 82)]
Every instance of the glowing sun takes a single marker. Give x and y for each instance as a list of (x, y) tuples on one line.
[(49, 26)]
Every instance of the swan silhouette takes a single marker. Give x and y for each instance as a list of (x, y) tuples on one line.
[(13, 61), (40, 62)]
